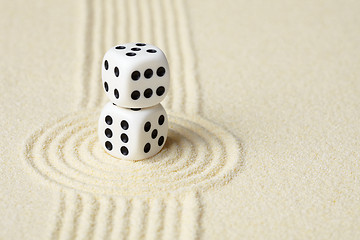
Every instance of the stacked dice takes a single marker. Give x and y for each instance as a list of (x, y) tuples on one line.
[(134, 125)]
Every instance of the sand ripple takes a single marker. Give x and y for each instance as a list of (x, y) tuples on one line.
[(197, 155)]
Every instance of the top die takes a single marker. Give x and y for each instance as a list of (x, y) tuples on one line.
[(135, 75)]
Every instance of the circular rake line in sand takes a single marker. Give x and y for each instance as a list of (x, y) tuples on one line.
[(197, 155), (59, 143), (163, 158), (172, 167)]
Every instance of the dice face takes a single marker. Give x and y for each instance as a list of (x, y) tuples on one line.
[(132, 134), (135, 75)]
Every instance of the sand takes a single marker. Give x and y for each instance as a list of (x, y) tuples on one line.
[(263, 114)]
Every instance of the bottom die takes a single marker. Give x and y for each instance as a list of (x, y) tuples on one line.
[(132, 133)]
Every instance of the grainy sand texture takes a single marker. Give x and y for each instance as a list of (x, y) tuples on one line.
[(264, 121)]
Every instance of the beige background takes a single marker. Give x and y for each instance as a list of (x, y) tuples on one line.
[(283, 77)]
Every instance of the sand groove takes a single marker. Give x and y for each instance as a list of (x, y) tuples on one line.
[(86, 217), (58, 223), (192, 91), (155, 220), (71, 218), (85, 56), (104, 198), (197, 155), (107, 23), (121, 218)]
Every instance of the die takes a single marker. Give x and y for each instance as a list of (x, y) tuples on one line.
[(135, 75), (132, 133)]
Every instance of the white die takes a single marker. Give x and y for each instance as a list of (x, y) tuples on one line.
[(135, 75), (132, 134)]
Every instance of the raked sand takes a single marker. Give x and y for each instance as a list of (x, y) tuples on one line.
[(264, 117)]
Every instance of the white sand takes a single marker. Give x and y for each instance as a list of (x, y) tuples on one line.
[(264, 121)]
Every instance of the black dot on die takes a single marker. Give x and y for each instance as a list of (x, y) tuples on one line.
[(116, 71), (160, 71), (161, 141), (148, 73), (135, 95), (160, 91), (124, 138), (151, 51), (147, 126), (161, 120), (154, 134), (140, 44), (108, 132), (130, 54), (108, 145), (148, 93), (108, 120), (124, 151), (116, 93), (147, 147), (106, 65), (124, 125), (106, 86), (135, 75), (136, 49), (135, 109), (120, 47)]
